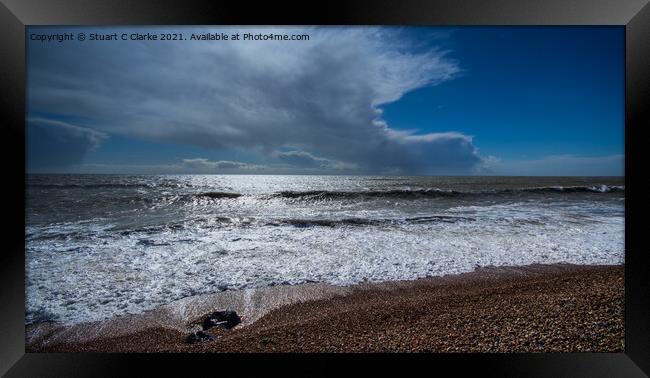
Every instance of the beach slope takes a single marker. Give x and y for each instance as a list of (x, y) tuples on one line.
[(537, 308)]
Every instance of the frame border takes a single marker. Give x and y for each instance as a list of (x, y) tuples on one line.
[(15, 15)]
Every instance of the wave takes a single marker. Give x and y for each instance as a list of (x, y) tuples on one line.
[(577, 189), (168, 199), (182, 198), (396, 193), (146, 233), (218, 195), (435, 193), (223, 221), (335, 194), (302, 223), (327, 222)]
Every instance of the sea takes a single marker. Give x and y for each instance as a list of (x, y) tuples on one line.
[(97, 246)]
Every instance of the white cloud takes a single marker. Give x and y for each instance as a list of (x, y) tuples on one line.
[(322, 97), (205, 164), (302, 159)]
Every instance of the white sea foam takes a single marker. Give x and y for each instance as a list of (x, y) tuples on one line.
[(102, 245), (100, 273)]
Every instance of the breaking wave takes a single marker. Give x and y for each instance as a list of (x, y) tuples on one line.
[(434, 193)]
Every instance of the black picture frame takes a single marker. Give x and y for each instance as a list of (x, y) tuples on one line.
[(15, 15)]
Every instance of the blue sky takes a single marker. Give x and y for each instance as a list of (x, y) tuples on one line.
[(416, 100)]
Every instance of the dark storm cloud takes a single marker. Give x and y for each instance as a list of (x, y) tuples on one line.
[(321, 97)]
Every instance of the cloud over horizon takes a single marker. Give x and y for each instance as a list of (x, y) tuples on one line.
[(203, 165), (556, 165), (53, 144), (307, 104)]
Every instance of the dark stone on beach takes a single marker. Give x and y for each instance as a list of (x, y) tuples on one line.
[(226, 319), (199, 336)]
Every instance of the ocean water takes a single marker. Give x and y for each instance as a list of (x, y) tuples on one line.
[(102, 245)]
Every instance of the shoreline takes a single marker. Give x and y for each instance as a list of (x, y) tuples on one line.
[(534, 308)]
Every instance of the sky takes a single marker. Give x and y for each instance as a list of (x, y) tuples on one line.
[(363, 100)]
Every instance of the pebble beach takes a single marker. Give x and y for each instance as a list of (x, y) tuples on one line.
[(536, 308)]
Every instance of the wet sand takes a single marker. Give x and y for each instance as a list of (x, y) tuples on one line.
[(537, 308)]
